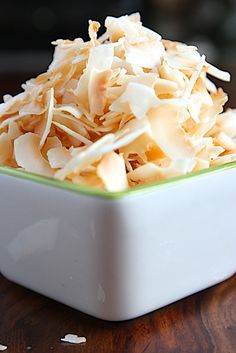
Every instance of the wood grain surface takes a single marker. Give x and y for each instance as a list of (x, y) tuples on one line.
[(202, 323)]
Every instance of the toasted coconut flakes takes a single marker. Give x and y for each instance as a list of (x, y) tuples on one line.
[(141, 146), (81, 91), (210, 113), (6, 97), (130, 132), (49, 117), (194, 77), (14, 130), (73, 133), (39, 126), (58, 157), (88, 179), (133, 31), (104, 145), (149, 79), (5, 148), (8, 120), (210, 86), (221, 75), (223, 140), (175, 75), (112, 171), (79, 58), (151, 172), (112, 121), (125, 106), (93, 29), (163, 86), (100, 57), (181, 56), (224, 159), (28, 155), (73, 123), (74, 339), (3, 348), (201, 164), (214, 152), (32, 108), (51, 142), (87, 156), (168, 133), (97, 89), (71, 109), (145, 54), (13, 104), (226, 122), (134, 94)]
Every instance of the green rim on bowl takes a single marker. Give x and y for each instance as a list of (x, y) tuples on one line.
[(87, 190)]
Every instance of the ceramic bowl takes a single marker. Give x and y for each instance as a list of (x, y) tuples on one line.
[(117, 256)]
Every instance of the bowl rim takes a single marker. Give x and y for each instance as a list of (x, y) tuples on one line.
[(96, 192)]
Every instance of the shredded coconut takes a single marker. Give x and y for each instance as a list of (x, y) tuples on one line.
[(120, 110)]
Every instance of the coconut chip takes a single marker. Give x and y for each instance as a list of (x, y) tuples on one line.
[(112, 171), (119, 110), (5, 148), (58, 157), (74, 339), (28, 155), (3, 348), (49, 117)]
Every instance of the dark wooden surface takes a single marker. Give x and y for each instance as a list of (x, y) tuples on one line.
[(202, 323)]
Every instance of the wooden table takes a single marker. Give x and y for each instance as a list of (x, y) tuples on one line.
[(202, 323)]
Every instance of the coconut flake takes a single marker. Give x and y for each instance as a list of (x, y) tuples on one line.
[(12, 105), (100, 57), (87, 156), (58, 157), (130, 100), (97, 89), (163, 86), (3, 348), (14, 130), (7, 121), (194, 77), (71, 109), (5, 148), (151, 172), (74, 339), (226, 122), (215, 72), (6, 97), (99, 148), (49, 117), (112, 171), (133, 31), (210, 86), (93, 29), (168, 133), (144, 54), (72, 133), (28, 155)]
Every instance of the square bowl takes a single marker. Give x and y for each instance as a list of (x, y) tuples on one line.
[(117, 256)]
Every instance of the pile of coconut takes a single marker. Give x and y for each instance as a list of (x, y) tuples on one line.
[(120, 110)]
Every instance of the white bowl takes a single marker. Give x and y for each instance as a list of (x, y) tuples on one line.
[(117, 256)]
